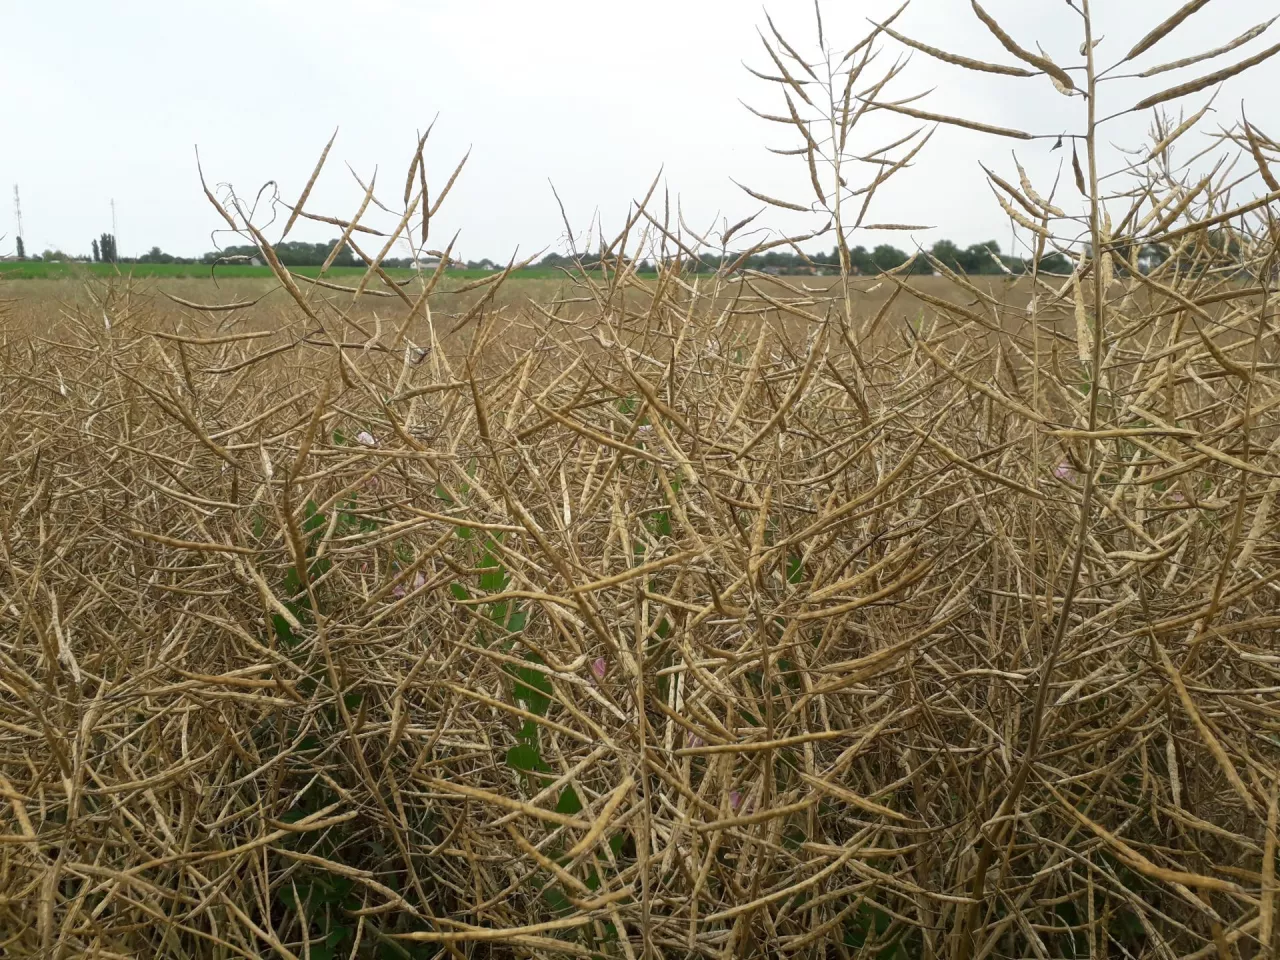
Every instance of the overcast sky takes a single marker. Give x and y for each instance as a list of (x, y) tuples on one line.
[(108, 100)]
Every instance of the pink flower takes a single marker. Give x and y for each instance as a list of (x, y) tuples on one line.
[(419, 582), (1176, 496), (366, 438), (693, 740), (735, 799), (599, 667), (1063, 470)]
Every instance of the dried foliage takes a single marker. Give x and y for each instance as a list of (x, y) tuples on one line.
[(626, 625)]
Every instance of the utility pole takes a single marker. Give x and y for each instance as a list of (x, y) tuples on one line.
[(115, 237), (17, 215)]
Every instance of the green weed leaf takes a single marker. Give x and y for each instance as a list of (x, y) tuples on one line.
[(569, 803), (533, 687), (525, 758)]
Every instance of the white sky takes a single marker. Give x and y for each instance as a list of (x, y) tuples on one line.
[(107, 100)]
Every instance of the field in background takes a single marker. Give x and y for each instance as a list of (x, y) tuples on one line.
[(40, 304), (579, 614)]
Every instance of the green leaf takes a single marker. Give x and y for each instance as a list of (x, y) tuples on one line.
[(286, 897), (616, 843), (662, 524), (882, 920), (494, 579), (795, 568), (535, 702), (792, 837), (569, 803), (459, 591), (337, 890), (283, 631), (337, 937), (524, 757), (313, 519), (518, 619), (533, 687), (346, 511), (559, 902)]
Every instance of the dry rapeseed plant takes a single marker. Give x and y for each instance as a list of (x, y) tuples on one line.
[(629, 625)]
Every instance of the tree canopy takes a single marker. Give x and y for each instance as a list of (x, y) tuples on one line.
[(975, 259)]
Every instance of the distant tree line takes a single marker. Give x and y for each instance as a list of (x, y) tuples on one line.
[(292, 253), (301, 254), (979, 258), (976, 259)]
